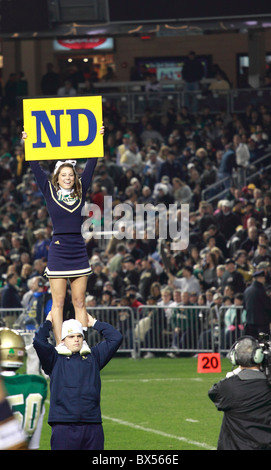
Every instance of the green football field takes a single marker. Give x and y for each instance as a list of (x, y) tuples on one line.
[(156, 404)]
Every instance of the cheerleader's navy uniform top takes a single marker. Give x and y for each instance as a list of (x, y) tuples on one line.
[(67, 254)]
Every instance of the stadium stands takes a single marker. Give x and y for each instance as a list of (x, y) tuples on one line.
[(216, 160)]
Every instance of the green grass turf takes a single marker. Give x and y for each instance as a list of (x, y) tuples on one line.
[(156, 404)]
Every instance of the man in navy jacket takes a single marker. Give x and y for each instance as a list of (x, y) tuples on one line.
[(75, 384), (257, 304)]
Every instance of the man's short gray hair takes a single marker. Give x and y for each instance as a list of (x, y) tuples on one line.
[(244, 352)]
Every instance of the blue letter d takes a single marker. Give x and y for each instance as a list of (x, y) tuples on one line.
[(92, 127)]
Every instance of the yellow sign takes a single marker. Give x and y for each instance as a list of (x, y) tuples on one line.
[(63, 128)]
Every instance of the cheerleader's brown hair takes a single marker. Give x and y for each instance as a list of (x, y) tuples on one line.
[(77, 189)]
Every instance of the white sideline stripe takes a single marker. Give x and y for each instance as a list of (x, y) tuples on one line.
[(178, 379), (160, 433)]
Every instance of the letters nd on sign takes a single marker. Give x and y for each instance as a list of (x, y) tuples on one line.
[(63, 128)]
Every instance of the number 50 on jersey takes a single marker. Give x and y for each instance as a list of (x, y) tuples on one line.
[(63, 128)]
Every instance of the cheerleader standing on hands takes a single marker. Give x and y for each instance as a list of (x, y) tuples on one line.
[(67, 255)]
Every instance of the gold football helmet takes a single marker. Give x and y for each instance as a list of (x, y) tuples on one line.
[(12, 349)]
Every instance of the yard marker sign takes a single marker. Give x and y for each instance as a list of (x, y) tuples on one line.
[(209, 362), (63, 128)]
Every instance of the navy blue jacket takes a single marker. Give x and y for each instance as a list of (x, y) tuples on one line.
[(257, 304), (75, 383), (10, 297)]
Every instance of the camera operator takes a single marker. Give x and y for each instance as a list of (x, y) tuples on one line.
[(245, 398)]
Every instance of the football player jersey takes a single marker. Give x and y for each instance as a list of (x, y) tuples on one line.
[(26, 395), (12, 436)]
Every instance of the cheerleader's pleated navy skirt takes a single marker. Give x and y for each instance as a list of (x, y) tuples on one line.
[(67, 257)]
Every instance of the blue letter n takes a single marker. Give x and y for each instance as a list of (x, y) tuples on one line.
[(53, 136)]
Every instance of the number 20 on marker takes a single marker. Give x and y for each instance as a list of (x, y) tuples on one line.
[(209, 362)]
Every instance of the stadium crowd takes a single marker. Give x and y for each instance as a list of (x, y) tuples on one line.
[(169, 159)]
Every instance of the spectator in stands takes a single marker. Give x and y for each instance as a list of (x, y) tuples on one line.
[(263, 240), (96, 280), (133, 250), (134, 296), (37, 306), (103, 178), (243, 265), (165, 310), (228, 292), (188, 282), (181, 192), (261, 255), (242, 158), (42, 218), (260, 138), (232, 276), (131, 158), (219, 84), (155, 291), (38, 267), (40, 248), (106, 298), (226, 162), (10, 297), (25, 273), (209, 271), (151, 168), (258, 306), (150, 135), (129, 273), (192, 74), (234, 320), (189, 336), (90, 301), (97, 196), (206, 217), (220, 270), (249, 210), (17, 245), (226, 220), (50, 81), (220, 241), (147, 277), (251, 242), (114, 264), (152, 85), (209, 176), (213, 322), (67, 89), (123, 146), (171, 167), (11, 91)]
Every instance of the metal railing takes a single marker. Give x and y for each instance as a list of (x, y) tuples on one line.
[(134, 104), (187, 329), (162, 329), (220, 188), (123, 319), (132, 100), (9, 316), (181, 329)]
